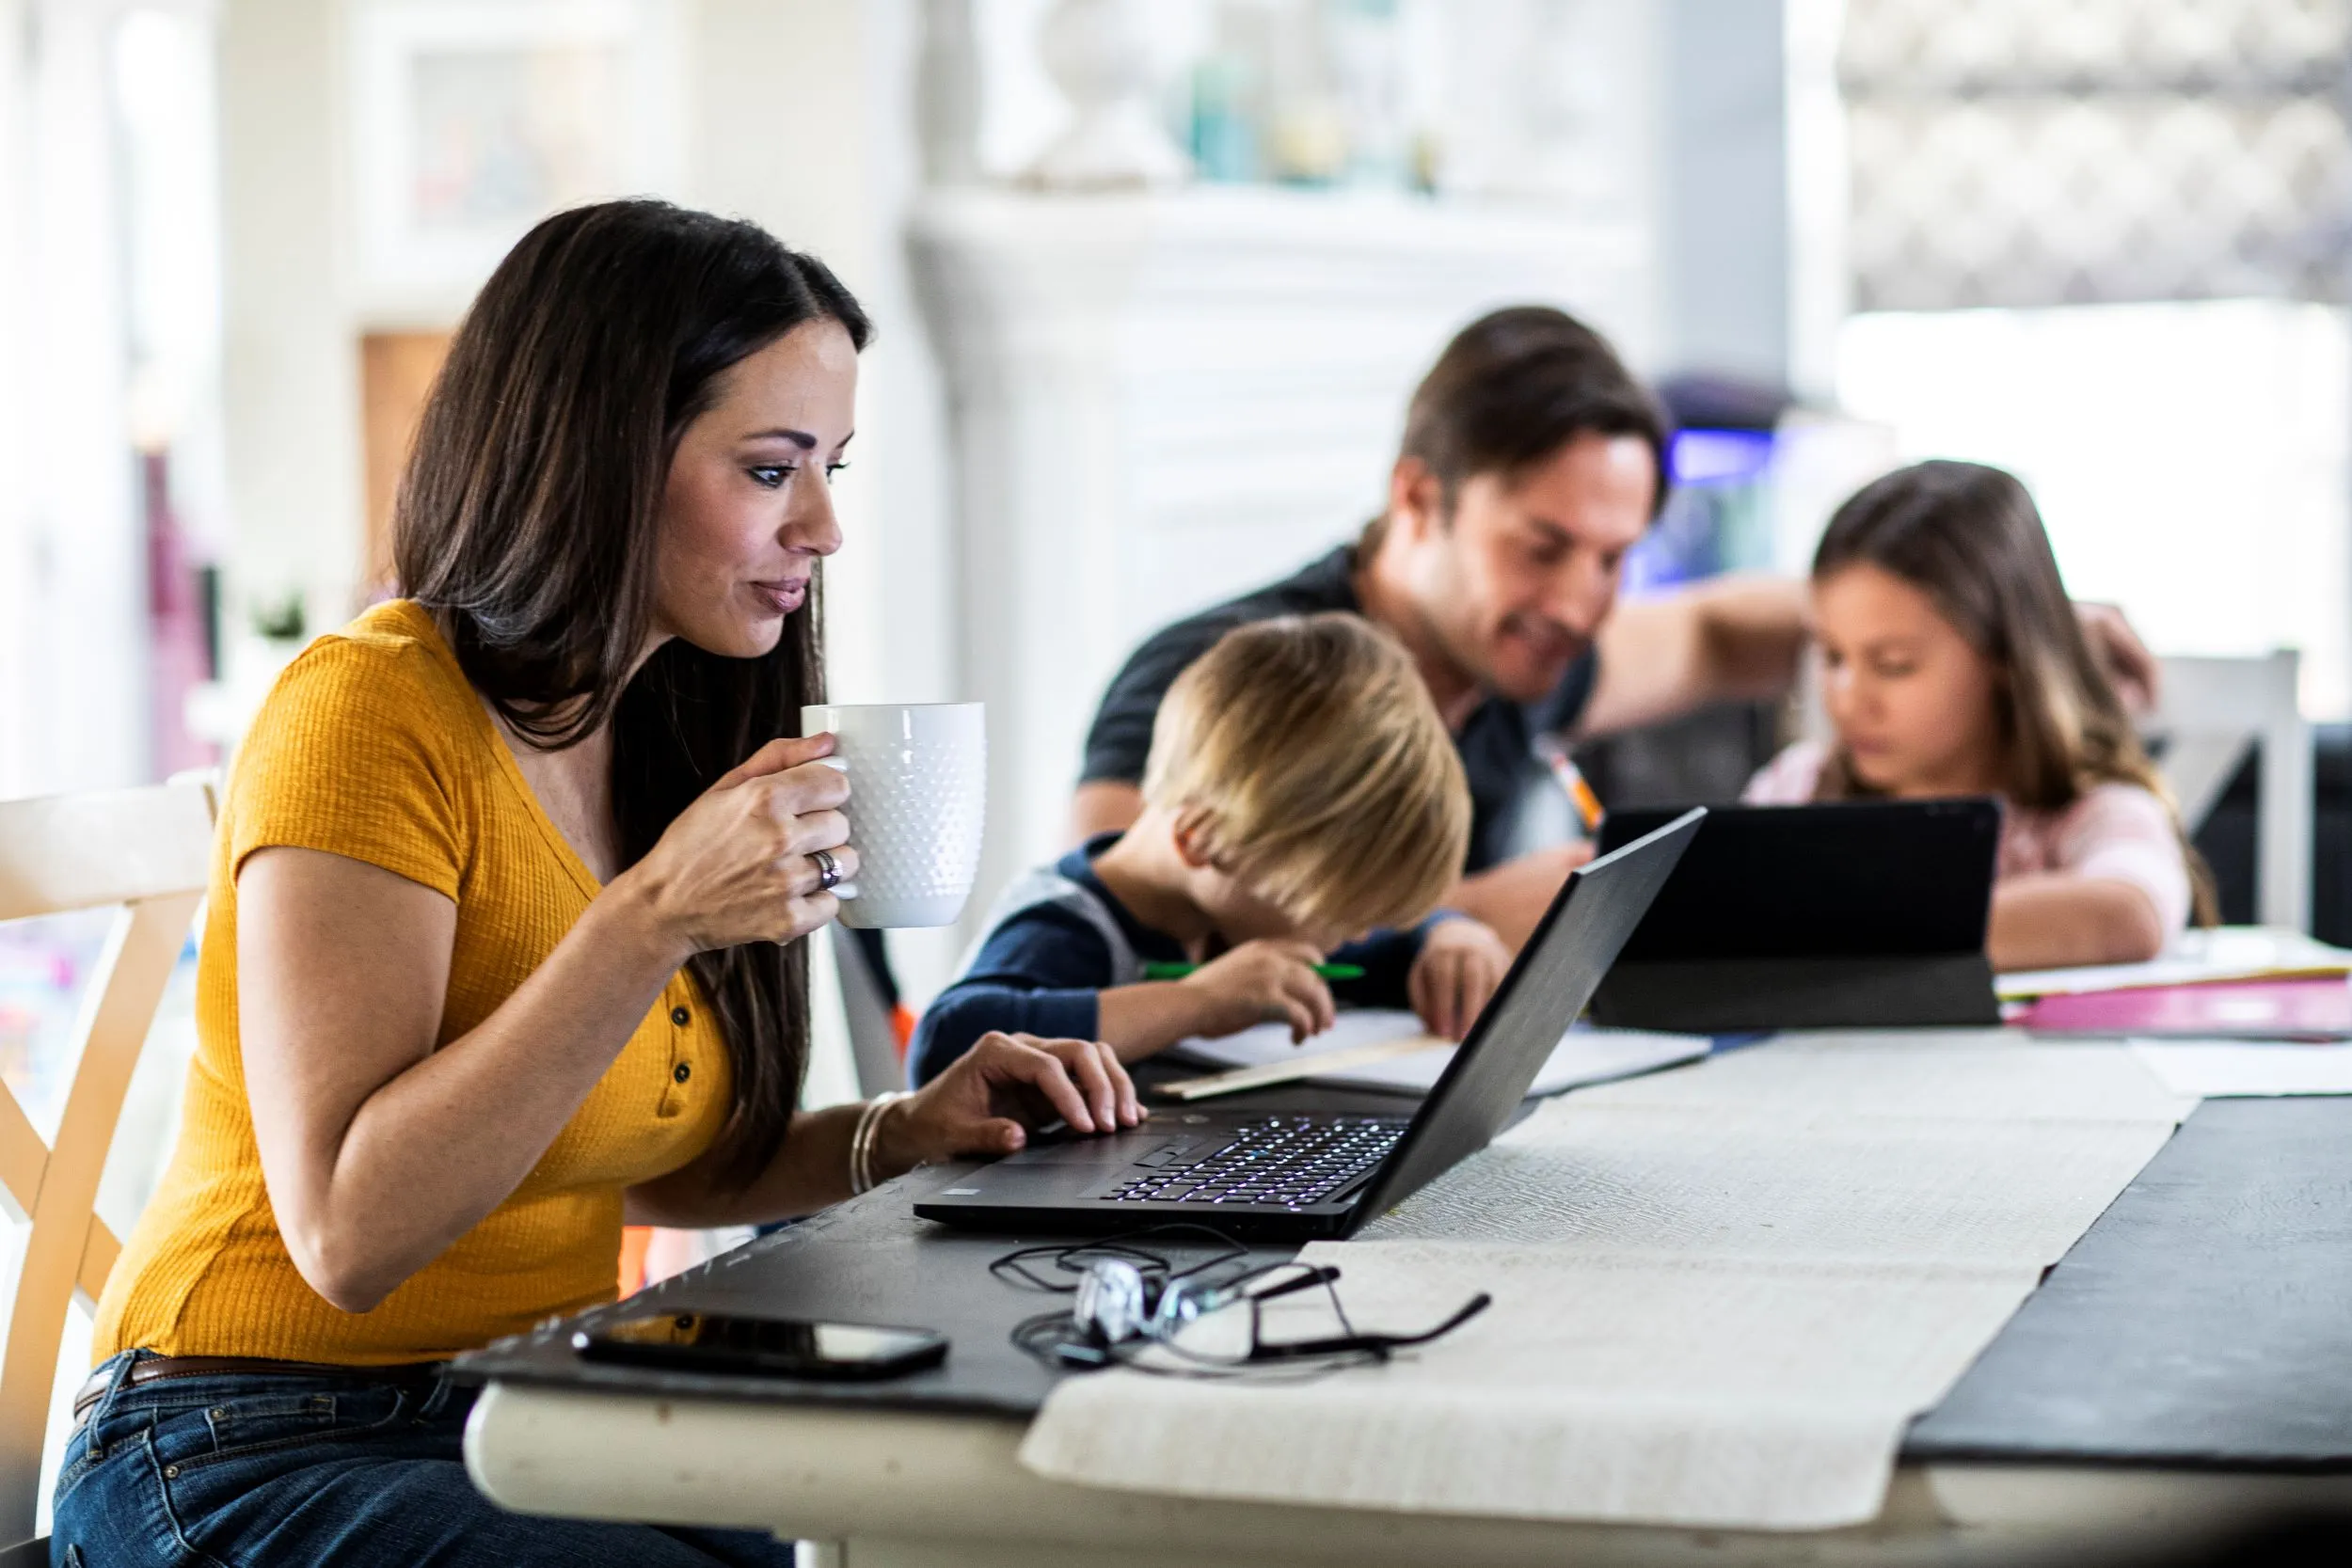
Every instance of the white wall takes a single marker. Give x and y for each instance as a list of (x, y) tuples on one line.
[(79, 626), (16, 511), (290, 351)]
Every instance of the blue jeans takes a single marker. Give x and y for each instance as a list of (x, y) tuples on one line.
[(304, 1472)]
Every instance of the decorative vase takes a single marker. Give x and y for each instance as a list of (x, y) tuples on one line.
[(1098, 54)]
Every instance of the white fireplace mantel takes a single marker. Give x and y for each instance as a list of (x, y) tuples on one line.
[(1161, 399)]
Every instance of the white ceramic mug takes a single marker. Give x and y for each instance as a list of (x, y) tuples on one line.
[(918, 798)]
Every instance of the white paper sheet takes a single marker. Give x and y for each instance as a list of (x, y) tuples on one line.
[(1934, 1074), (1722, 1293), (2237, 1069), (1725, 1183), (1739, 1395), (1583, 1055), (2220, 953)]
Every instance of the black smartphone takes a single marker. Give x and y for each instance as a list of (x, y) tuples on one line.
[(762, 1346)]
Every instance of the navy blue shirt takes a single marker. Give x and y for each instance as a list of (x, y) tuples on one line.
[(1059, 938), (1496, 741)]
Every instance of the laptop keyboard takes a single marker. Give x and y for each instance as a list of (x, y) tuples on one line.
[(1289, 1161)]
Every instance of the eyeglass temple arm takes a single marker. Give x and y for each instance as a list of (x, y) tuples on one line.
[(1378, 1344), (1320, 1275)]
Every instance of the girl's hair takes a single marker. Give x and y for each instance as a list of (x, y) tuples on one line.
[(1310, 754), (527, 522), (1969, 538)]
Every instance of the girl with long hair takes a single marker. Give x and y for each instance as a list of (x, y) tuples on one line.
[(504, 941), (1953, 664)]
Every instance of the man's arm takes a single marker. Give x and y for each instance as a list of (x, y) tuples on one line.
[(2129, 668), (1738, 639), (1510, 898), (1735, 639)]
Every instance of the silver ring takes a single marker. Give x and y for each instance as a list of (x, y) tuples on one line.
[(828, 869)]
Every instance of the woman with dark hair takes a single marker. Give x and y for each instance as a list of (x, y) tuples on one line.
[(502, 943), (1953, 664)]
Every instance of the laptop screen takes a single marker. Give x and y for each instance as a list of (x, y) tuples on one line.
[(1547, 988)]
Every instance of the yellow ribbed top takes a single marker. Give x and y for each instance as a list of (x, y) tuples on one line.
[(373, 745)]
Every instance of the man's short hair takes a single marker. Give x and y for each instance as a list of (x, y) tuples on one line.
[(1516, 386), (1313, 765)]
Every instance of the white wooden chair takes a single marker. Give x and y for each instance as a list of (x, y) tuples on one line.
[(148, 850), (2213, 711)]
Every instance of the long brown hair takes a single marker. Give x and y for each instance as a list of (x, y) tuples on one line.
[(1969, 538), (528, 521)]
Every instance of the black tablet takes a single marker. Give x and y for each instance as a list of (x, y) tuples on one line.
[(1844, 914)]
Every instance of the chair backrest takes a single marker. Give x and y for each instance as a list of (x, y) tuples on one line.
[(148, 850), (2212, 713), (873, 1035)]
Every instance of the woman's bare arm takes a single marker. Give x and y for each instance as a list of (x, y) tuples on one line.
[(811, 1171), (380, 1150), (982, 1104)]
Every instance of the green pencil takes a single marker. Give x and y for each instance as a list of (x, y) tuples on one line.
[(1163, 970)]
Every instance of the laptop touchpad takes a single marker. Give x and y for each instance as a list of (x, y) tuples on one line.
[(1064, 1150)]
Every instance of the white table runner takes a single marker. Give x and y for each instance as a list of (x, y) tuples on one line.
[(1721, 1295)]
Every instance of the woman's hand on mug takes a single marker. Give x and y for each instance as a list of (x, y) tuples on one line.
[(988, 1101), (737, 866)]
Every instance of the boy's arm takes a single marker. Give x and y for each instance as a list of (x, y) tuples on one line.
[(964, 1013), (1446, 970), (1258, 982), (1040, 973), (1386, 956), (1133, 1020)]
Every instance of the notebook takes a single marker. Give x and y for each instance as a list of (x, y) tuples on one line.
[(2309, 1009), (1584, 1056)]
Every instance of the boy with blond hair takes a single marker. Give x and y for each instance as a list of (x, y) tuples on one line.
[(1302, 798)]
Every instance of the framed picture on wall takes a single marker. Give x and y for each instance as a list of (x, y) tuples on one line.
[(475, 118)]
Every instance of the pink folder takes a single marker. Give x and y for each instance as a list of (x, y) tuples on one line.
[(2249, 1009)]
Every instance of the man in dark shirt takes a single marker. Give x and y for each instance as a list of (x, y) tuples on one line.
[(1532, 461), (1494, 739)]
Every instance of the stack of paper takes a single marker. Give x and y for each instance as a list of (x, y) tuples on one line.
[(2195, 957), (2275, 1009), (2233, 1070), (1359, 1058)]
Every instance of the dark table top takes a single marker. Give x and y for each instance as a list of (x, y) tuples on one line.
[(2205, 1320), (870, 1260)]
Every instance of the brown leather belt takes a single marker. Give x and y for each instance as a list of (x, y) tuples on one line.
[(156, 1369)]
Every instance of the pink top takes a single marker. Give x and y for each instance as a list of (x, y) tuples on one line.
[(2119, 831)]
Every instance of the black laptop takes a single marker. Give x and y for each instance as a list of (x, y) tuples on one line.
[(1847, 915), (1298, 1177)]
